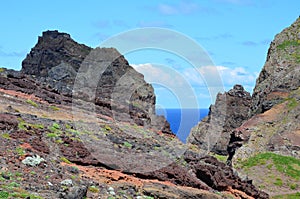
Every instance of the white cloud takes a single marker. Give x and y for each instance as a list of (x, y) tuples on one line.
[(229, 76), (168, 80), (192, 85), (159, 74)]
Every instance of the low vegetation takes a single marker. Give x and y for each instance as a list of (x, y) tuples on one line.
[(54, 108), (288, 43), (287, 165), (288, 196), (32, 103)]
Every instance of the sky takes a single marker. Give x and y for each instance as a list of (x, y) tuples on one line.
[(233, 34)]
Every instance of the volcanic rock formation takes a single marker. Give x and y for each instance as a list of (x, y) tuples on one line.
[(281, 72), (101, 76), (229, 112)]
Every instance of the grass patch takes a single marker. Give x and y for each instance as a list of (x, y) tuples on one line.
[(292, 103), (287, 43), (221, 158), (288, 196), (2, 70), (284, 164), (24, 126), (32, 103), (278, 182)]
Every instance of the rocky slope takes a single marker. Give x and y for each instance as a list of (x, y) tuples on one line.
[(261, 132), (54, 145), (229, 112)]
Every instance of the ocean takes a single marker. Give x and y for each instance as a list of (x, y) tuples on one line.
[(182, 120)]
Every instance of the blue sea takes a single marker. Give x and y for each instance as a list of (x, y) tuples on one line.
[(182, 120)]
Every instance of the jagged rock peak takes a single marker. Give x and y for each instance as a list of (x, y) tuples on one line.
[(230, 110), (52, 49), (55, 34), (238, 91), (281, 73)]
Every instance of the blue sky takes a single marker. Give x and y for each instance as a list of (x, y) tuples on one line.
[(235, 33)]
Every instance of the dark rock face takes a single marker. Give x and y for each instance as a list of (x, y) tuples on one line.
[(229, 112), (176, 174), (52, 49), (101, 76), (13, 80), (281, 73), (8, 121), (219, 176)]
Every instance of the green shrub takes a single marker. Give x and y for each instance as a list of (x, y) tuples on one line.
[(93, 189), (20, 151), (14, 184), (54, 108), (293, 186), (65, 160), (127, 144), (18, 174), (32, 103), (52, 135), (56, 126), (4, 195), (107, 127), (37, 126), (5, 136)]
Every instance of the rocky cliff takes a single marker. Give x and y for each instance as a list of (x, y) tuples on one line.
[(276, 98), (102, 76), (229, 112), (281, 72)]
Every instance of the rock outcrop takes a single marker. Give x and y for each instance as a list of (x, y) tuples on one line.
[(274, 126), (101, 76), (281, 72), (230, 110)]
